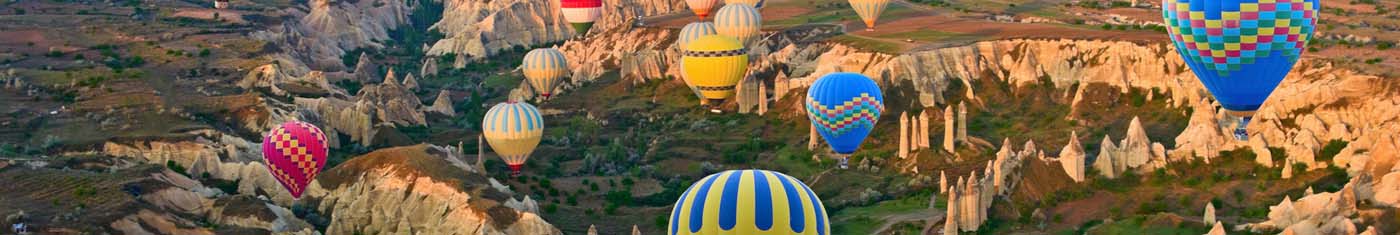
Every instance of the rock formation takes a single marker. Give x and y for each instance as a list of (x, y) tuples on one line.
[(592, 229), (635, 230), (1072, 158), (948, 137), (1217, 229), (430, 67), (780, 86), (1320, 213), (923, 130), (962, 120), (442, 105), (1134, 152), (812, 136), (418, 189), (1209, 217), (746, 94), (410, 82), (903, 136), (942, 182), (762, 98)]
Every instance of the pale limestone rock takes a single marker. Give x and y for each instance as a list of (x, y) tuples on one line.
[(950, 222), (812, 136), (762, 98), (746, 94), (1072, 158), (635, 230), (430, 67), (1107, 162), (1209, 217), (443, 104), (948, 129), (1288, 169), (942, 182), (592, 229), (903, 136), (780, 86), (1135, 147), (366, 71), (481, 153), (1262, 155), (410, 82), (1218, 229), (923, 129), (401, 196), (962, 119)]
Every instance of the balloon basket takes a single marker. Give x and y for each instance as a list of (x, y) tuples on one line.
[(514, 170), (844, 163), (1241, 134)]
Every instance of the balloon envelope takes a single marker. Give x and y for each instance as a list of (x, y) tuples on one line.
[(713, 64), (513, 129), (1240, 50), (294, 153), (844, 108), (749, 202), (869, 10), (544, 68), (752, 3), (701, 8), (740, 21), (692, 31), (581, 13)]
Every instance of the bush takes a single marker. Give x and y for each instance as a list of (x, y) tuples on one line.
[(1331, 150), (177, 168)]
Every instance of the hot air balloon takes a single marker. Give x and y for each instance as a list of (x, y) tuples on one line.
[(740, 21), (581, 13), (1240, 50), (752, 3), (701, 7), (713, 64), (844, 108), (544, 68), (294, 153), (513, 129), (689, 33), (869, 11), (749, 202)]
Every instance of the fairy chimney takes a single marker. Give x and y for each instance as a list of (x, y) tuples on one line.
[(948, 129)]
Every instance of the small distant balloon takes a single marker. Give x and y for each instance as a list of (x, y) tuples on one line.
[(713, 65), (294, 153), (869, 11), (581, 13), (701, 8), (544, 69)]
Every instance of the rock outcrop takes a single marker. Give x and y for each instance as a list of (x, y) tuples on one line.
[(443, 104), (1072, 158), (418, 189), (330, 29), (1134, 152), (1320, 213), (1209, 216), (948, 137)]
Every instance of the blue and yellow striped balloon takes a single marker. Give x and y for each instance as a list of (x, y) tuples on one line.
[(513, 129), (749, 202), (544, 68), (869, 11), (739, 21)]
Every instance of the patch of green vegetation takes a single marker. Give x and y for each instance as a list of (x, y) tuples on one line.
[(930, 36), (1138, 224), (863, 220), (867, 44)]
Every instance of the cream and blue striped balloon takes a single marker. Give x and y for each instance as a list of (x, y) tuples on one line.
[(739, 21), (513, 129), (544, 68), (692, 31), (869, 11), (749, 202), (754, 3)]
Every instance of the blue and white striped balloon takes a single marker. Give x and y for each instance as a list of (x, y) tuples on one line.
[(739, 21)]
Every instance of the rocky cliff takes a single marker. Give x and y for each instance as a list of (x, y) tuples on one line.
[(418, 189), (327, 29), (478, 29)]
